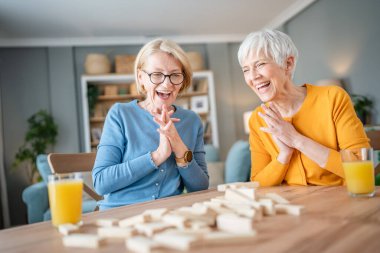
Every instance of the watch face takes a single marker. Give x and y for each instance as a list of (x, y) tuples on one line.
[(188, 156)]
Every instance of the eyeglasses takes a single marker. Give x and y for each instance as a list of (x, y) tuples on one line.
[(159, 78)]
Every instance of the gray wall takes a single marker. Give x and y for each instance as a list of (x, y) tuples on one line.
[(340, 38), (32, 79)]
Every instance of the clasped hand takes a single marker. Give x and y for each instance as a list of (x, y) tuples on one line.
[(170, 141), (284, 134)]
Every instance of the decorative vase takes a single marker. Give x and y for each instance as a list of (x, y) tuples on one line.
[(97, 64)]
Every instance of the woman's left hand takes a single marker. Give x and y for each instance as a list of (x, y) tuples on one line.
[(278, 127), (168, 129)]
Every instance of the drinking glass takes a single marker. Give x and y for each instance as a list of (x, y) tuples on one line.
[(359, 172), (65, 198)]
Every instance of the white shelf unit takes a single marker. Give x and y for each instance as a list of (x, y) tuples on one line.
[(114, 79)]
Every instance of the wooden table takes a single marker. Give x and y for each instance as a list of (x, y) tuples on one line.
[(332, 222)]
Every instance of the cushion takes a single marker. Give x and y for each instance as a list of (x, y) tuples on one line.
[(43, 167), (238, 163), (212, 153), (216, 173)]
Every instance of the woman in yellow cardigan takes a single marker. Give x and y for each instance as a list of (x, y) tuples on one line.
[(296, 134)]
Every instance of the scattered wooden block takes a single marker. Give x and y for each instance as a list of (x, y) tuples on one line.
[(142, 244), (234, 224), (131, 221), (234, 196), (178, 240), (156, 214), (295, 210), (276, 198), (107, 222), (116, 232), (83, 241), (68, 228), (246, 211), (249, 192), (219, 238), (224, 187), (176, 220), (149, 229), (268, 206)]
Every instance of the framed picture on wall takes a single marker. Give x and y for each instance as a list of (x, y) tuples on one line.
[(199, 104)]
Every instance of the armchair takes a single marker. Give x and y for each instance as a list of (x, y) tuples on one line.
[(236, 168), (36, 196)]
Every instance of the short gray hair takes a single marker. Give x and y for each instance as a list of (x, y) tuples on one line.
[(274, 44)]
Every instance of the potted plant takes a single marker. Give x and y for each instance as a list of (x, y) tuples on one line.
[(363, 107), (92, 97), (42, 132)]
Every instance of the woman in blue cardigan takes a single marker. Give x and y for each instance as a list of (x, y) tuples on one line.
[(152, 149)]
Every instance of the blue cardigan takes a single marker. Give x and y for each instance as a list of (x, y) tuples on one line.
[(124, 172)]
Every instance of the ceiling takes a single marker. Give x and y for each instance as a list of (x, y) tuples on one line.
[(96, 22)]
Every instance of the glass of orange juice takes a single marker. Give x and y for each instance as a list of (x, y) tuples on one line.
[(65, 198), (359, 172)]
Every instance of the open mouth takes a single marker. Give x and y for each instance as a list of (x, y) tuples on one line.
[(263, 86), (163, 94)]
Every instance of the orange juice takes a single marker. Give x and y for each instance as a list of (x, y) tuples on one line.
[(65, 198), (360, 177)]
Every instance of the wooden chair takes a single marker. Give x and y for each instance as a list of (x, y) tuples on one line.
[(374, 136), (78, 162)]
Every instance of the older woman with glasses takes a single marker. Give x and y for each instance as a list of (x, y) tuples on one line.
[(152, 149), (298, 131)]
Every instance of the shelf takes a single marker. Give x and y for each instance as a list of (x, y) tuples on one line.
[(97, 119), (192, 94), (118, 97), (104, 102)]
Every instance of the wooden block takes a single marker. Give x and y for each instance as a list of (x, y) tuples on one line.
[(268, 206), (131, 221), (68, 228), (246, 211), (142, 244), (219, 238), (200, 226), (224, 187), (252, 185), (116, 232), (234, 196), (149, 229), (234, 223), (177, 220), (295, 210), (83, 241), (107, 222), (249, 192), (157, 213), (276, 198), (177, 240)]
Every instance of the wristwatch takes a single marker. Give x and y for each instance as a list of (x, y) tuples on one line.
[(187, 157)]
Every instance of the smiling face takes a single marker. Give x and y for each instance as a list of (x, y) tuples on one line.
[(265, 77), (166, 92)]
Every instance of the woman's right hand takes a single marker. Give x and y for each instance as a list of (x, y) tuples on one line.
[(164, 149), (285, 153)]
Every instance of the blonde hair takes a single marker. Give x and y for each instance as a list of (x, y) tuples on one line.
[(274, 44), (166, 46)]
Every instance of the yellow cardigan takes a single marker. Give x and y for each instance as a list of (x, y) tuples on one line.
[(327, 116)]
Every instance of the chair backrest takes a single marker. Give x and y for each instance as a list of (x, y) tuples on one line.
[(78, 162), (374, 136)]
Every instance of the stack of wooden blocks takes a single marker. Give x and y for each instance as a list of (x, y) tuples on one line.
[(223, 220)]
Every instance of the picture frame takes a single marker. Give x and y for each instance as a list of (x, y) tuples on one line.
[(199, 104)]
